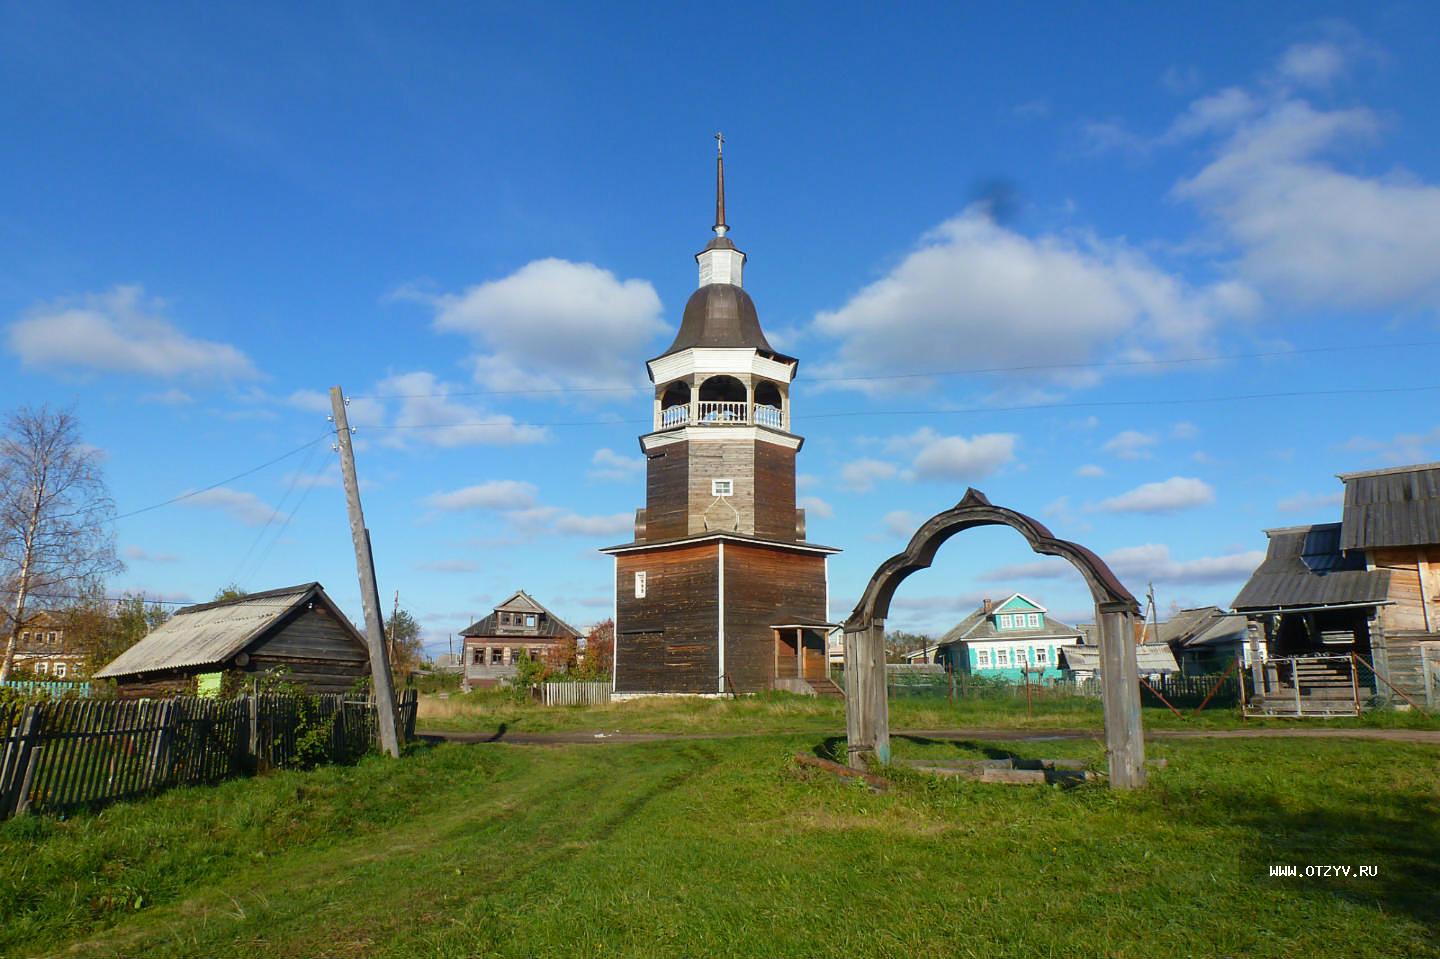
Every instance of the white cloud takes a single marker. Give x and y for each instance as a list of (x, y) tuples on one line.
[(901, 522), (1090, 471), (815, 506), (1312, 64), (554, 324), (448, 566), (1167, 496), (120, 331), (861, 475), (1184, 431), (428, 414), (806, 481), (359, 411), (610, 465), (1153, 561), (245, 507), (614, 524), (170, 397), (1031, 301), (964, 459), (495, 494), (1130, 445), (1309, 231), (145, 556), (1402, 448), (1306, 502), (1039, 569)]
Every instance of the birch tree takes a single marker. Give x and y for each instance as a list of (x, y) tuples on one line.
[(56, 533)]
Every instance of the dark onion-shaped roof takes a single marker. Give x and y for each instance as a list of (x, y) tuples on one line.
[(721, 315)]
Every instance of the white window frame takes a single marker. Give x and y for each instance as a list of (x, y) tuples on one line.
[(722, 487), (1041, 657), (1032, 620), (530, 620), (641, 584), (59, 670), (1021, 659), (1004, 620), (42, 669), (1002, 658), (982, 659)]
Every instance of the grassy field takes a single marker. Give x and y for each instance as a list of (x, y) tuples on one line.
[(492, 712), (728, 848)]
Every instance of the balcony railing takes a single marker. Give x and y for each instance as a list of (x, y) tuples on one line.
[(723, 411)]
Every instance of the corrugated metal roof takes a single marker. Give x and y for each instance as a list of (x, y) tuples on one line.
[(1395, 507), (1149, 658), (208, 634), (1297, 571)]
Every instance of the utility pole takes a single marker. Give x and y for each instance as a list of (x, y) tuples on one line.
[(369, 592)]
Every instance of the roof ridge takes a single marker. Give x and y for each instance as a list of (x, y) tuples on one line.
[(266, 594)]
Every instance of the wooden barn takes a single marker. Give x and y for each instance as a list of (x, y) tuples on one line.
[(298, 627), (1368, 586), (719, 592)]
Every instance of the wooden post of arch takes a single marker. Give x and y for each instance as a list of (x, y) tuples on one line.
[(867, 717)]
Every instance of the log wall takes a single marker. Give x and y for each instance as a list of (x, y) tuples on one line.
[(765, 586), (668, 641)]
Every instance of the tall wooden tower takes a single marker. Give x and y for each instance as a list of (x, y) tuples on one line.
[(720, 592)]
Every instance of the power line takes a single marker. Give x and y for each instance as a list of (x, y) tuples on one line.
[(228, 479), (853, 414), (972, 371)]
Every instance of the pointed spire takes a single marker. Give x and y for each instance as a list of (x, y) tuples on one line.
[(720, 226)]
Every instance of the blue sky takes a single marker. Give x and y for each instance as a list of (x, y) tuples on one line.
[(479, 219)]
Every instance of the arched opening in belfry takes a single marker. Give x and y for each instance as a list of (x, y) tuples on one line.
[(769, 405), (675, 404), (723, 400)]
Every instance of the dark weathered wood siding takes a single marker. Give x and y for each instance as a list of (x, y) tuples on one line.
[(765, 586), (775, 492), (667, 642), (667, 497)]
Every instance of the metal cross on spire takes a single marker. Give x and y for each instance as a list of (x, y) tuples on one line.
[(720, 225)]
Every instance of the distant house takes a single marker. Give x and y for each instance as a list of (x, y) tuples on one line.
[(44, 650), (1368, 585), (298, 628), (518, 627), (1082, 662), (1205, 639), (1010, 640)]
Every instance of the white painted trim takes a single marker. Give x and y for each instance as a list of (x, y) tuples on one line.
[(615, 625), (715, 537), (715, 360), (826, 563), (693, 434), (721, 604)]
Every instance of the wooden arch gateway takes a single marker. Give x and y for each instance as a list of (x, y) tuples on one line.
[(867, 715)]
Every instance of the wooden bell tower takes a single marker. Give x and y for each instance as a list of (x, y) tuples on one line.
[(719, 592)]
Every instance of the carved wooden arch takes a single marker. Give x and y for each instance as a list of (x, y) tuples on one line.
[(867, 714), (976, 510)]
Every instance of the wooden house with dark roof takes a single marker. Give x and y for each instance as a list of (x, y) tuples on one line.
[(519, 627), (298, 628), (719, 591), (1368, 585)]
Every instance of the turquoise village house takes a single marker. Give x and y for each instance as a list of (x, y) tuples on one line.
[(1007, 641)]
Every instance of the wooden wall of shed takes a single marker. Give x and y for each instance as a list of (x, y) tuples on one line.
[(158, 686), (322, 655), (765, 586), (1415, 605), (667, 497), (668, 641), (775, 492)]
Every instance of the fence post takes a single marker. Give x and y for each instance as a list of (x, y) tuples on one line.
[(14, 796), (161, 746), (254, 737)]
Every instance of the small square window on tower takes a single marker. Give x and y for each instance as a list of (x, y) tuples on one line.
[(640, 585), (722, 487)]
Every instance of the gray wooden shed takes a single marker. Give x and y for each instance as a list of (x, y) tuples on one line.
[(297, 627)]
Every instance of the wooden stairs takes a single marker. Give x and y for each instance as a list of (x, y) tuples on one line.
[(1320, 688), (826, 688)]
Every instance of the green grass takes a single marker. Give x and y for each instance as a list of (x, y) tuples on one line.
[(727, 848), (490, 712)]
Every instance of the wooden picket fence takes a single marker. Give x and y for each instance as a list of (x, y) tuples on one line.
[(57, 756), (35, 687), (576, 694)]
